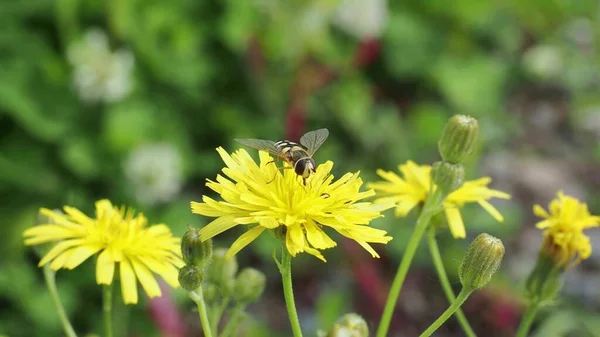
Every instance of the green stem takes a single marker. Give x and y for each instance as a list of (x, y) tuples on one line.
[(107, 309), (198, 297), (286, 275), (49, 276), (429, 209), (527, 320), (233, 322), (217, 312), (460, 299), (441, 271)]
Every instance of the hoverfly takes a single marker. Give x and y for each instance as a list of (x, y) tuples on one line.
[(299, 156)]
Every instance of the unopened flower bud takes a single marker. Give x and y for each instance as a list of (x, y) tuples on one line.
[(222, 271), (544, 282), (249, 285), (481, 261), (193, 250), (211, 292), (458, 138), (447, 176), (350, 325), (190, 277)]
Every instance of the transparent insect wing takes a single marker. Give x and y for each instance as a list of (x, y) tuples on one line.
[(314, 139), (261, 145)]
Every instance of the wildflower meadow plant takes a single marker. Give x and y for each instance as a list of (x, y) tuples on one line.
[(301, 213)]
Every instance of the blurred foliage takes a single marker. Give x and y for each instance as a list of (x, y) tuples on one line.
[(206, 72)]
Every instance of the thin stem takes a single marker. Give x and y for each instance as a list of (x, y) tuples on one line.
[(49, 276), (429, 209), (527, 320), (234, 321), (286, 275), (460, 299), (441, 271), (217, 312), (107, 309), (198, 297)]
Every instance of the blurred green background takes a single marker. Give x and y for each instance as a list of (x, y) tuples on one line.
[(129, 99)]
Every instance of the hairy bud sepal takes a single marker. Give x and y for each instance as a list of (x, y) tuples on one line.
[(194, 251), (249, 285), (447, 176), (480, 263), (191, 277), (349, 325), (458, 138)]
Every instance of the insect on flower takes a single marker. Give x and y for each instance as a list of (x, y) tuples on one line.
[(299, 156)]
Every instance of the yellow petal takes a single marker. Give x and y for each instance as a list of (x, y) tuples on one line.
[(315, 253), (455, 222), (81, 254), (368, 248), (60, 260), (58, 249), (269, 223), (317, 237), (294, 240), (105, 268), (540, 211), (216, 227), (146, 279), (166, 270), (491, 209), (128, 282), (244, 240), (204, 209)]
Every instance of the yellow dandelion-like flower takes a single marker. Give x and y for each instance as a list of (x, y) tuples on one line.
[(413, 188), (262, 198), (563, 229), (120, 238)]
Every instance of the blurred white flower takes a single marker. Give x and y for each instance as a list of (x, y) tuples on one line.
[(100, 74), (155, 172), (362, 18), (544, 62)]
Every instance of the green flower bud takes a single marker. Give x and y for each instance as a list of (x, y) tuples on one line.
[(544, 282), (193, 250), (222, 271), (447, 177), (350, 325), (190, 277), (249, 285), (458, 138), (211, 292), (481, 261)]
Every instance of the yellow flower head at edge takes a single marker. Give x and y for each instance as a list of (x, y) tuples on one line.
[(119, 237), (261, 198), (563, 227), (413, 187)]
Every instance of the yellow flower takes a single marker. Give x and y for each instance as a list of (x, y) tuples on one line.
[(413, 188), (262, 198), (563, 229), (119, 237)]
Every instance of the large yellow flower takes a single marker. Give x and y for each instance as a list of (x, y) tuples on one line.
[(563, 229), (413, 188), (119, 237), (262, 198)]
